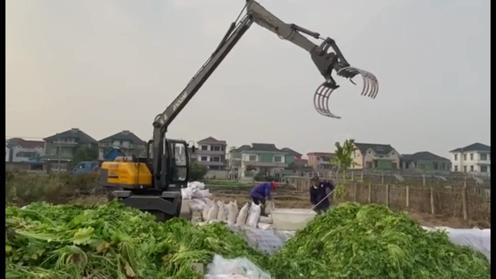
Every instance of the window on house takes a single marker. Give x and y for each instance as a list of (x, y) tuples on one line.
[(464, 157), (483, 168), (278, 159), (456, 157), (214, 159), (204, 147), (204, 158), (456, 168), (223, 148), (252, 157), (471, 168), (215, 148), (465, 168), (483, 156), (471, 156)]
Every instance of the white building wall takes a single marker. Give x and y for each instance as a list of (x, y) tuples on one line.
[(459, 164), (16, 149)]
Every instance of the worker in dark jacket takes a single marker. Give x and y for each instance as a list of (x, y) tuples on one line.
[(262, 192), (319, 194)]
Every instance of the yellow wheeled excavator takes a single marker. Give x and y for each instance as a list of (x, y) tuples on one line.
[(154, 183)]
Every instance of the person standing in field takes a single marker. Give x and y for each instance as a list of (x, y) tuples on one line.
[(319, 194), (263, 192)]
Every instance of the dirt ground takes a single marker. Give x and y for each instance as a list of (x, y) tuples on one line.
[(292, 199)]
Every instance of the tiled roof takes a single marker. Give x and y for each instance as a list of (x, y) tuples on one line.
[(270, 147), (211, 140), (25, 143), (124, 135), (320, 154), (424, 155), (473, 147), (72, 133), (378, 148), (264, 147)]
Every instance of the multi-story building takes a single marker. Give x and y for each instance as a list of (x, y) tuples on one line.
[(211, 153), (260, 158), (375, 156), (320, 161), (126, 142), (61, 148), (474, 158), (20, 150), (424, 161)]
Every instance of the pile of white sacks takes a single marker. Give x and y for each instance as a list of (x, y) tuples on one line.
[(211, 211)]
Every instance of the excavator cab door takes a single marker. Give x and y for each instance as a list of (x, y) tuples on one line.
[(178, 163)]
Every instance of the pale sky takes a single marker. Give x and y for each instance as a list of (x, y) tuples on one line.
[(107, 66)]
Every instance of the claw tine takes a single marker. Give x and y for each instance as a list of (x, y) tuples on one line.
[(366, 83), (372, 87), (376, 88)]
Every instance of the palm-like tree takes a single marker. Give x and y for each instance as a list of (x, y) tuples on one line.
[(344, 155)]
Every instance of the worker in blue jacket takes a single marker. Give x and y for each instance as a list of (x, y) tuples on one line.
[(262, 192), (319, 194)]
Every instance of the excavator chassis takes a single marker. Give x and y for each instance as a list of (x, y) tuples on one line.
[(164, 206)]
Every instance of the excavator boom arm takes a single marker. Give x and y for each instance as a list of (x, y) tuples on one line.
[(325, 60)]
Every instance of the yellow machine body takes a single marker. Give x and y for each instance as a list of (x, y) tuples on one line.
[(127, 174)]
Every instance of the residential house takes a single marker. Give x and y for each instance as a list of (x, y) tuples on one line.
[(20, 150), (125, 142), (424, 161), (292, 154), (211, 153), (474, 158), (61, 147), (259, 158), (375, 156), (320, 161)]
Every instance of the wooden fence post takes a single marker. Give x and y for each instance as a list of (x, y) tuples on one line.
[(354, 191), (382, 178), (423, 180), (432, 200), (387, 195), (407, 196), (464, 199), (352, 175), (370, 193)]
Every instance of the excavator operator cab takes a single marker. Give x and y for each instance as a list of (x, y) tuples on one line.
[(178, 163)]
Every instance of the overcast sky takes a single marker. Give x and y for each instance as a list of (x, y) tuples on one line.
[(107, 66)]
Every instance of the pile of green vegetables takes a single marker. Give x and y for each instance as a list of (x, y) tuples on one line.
[(111, 241), (370, 241)]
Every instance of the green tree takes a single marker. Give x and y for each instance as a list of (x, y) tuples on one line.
[(197, 171), (344, 155), (84, 153)]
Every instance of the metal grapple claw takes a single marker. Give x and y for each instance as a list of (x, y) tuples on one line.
[(321, 97), (370, 84), (321, 100)]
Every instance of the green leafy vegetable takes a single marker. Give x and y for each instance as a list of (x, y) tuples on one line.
[(111, 241), (370, 241)]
